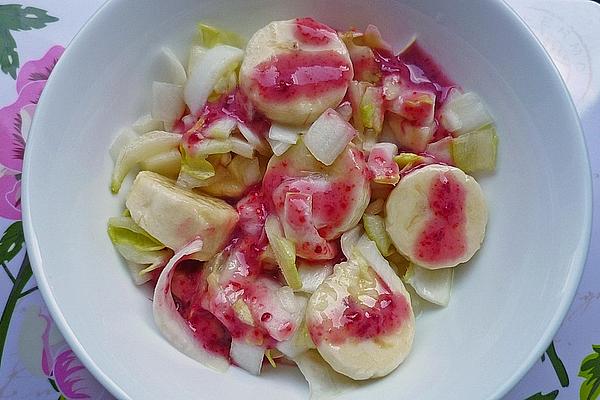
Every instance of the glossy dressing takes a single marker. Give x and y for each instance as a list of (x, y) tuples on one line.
[(443, 238), (299, 74)]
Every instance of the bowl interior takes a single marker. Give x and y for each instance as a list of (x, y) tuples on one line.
[(507, 302)]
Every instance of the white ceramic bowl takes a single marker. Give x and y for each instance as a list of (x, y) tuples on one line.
[(507, 303)]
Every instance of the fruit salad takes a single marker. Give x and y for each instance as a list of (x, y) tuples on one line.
[(297, 197)]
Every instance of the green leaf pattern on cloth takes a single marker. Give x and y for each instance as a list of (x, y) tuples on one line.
[(557, 364), (12, 242), (541, 396), (15, 17), (590, 372), (9, 58)]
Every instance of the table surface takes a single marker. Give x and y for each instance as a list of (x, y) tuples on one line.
[(36, 363)]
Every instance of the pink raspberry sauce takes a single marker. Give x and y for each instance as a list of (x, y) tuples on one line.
[(443, 238), (185, 289), (289, 76), (332, 198), (310, 31), (419, 70), (360, 322), (235, 105)]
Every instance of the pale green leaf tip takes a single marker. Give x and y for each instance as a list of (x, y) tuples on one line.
[(115, 186), (270, 358)]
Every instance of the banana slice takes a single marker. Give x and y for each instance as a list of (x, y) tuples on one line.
[(317, 203), (176, 216), (294, 70), (362, 326), (251, 306), (436, 216)]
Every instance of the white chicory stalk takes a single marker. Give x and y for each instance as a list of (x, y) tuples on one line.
[(409, 134), (245, 170), (381, 163), (356, 91), (207, 146), (278, 147), (144, 147), (284, 134), (253, 138), (211, 36), (375, 207), (194, 171), (415, 106), (221, 128), (349, 240), (374, 40), (371, 109), (146, 123), (196, 54), (464, 113), (271, 355), (475, 151), (142, 252), (241, 147), (285, 307), (368, 250), (345, 110), (243, 312), (409, 160), (417, 303), (409, 43), (323, 381), (124, 231), (434, 286), (247, 356), (165, 255), (173, 71), (141, 263), (151, 259), (375, 230), (206, 73), (167, 163), (297, 344), (167, 102), (285, 252), (312, 275), (369, 140), (171, 324), (125, 137), (441, 150), (328, 136), (189, 121), (298, 226), (135, 270), (392, 87)]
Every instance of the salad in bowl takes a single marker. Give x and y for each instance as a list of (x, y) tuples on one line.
[(299, 196)]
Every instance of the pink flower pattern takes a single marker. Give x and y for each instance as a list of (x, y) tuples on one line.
[(58, 362), (61, 365), (14, 127)]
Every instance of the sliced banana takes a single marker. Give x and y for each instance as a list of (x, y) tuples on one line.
[(294, 70), (362, 326), (436, 216), (241, 298), (335, 197), (312, 274), (176, 216)]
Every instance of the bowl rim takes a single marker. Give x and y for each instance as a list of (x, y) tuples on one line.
[(573, 279), (582, 249)]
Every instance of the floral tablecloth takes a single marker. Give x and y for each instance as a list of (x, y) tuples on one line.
[(36, 362)]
